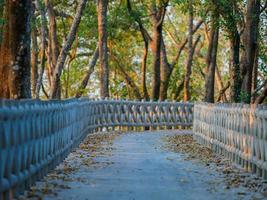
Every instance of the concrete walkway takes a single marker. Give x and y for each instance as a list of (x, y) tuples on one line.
[(140, 169)]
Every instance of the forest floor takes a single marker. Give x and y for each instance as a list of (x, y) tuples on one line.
[(149, 165)]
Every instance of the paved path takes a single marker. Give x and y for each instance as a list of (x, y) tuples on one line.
[(139, 169)]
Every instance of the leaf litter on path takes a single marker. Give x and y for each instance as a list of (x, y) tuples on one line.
[(94, 145), (232, 175)]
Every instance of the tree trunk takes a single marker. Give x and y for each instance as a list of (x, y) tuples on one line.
[(34, 54), (157, 15), (88, 74), (250, 40), (156, 43), (212, 61), (222, 97), (44, 32), (167, 68), (178, 90), (190, 54), (147, 41), (65, 49), (255, 75), (102, 6), (2, 6), (144, 66), (235, 79), (53, 46), (165, 73), (15, 70), (53, 41)]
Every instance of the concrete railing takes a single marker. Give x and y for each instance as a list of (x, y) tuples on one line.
[(237, 131), (35, 136)]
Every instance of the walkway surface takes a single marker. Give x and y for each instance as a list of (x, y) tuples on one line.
[(139, 168)]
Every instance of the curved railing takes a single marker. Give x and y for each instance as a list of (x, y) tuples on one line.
[(35, 136), (236, 130)]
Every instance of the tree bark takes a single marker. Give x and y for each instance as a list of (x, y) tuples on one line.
[(5, 56), (88, 74), (165, 72), (34, 54), (53, 45), (102, 6), (229, 13), (53, 40), (65, 49), (250, 40), (222, 97), (15, 59), (44, 32), (211, 61), (188, 70), (157, 21), (2, 6), (255, 75), (235, 78), (147, 40), (144, 67), (179, 90)]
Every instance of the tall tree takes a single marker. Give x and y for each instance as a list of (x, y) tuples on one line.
[(231, 18), (65, 49), (147, 40), (144, 70), (53, 38), (15, 70), (34, 53), (44, 32), (102, 7), (53, 44), (157, 15), (168, 67), (211, 59), (235, 76), (250, 42), (190, 54)]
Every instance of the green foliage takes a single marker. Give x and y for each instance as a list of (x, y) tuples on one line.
[(126, 43)]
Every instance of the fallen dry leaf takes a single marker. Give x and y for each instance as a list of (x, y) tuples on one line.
[(233, 175)]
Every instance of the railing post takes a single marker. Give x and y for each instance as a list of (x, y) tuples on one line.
[(37, 135)]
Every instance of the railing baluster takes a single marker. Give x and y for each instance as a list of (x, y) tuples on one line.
[(35, 136)]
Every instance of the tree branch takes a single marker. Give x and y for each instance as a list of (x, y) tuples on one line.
[(88, 74), (180, 49), (127, 77), (137, 19), (63, 54), (261, 98)]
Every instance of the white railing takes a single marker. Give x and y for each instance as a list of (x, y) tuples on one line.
[(235, 130), (35, 136)]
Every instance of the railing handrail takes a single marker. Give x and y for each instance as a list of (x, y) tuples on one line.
[(239, 131), (36, 135)]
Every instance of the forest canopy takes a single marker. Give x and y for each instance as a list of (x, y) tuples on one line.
[(182, 50)]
